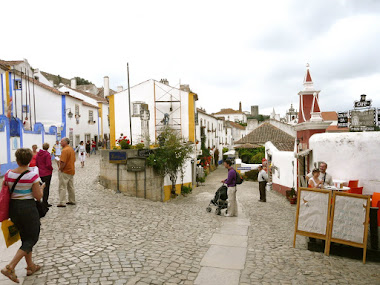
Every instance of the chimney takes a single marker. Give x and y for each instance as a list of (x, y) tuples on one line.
[(119, 88), (184, 87), (164, 81), (73, 83), (240, 106), (106, 86)]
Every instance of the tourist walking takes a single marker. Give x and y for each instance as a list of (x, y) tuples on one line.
[(43, 162), (25, 187), (262, 179), (56, 151), (81, 149), (33, 161), (232, 208), (93, 147), (88, 148), (66, 174)]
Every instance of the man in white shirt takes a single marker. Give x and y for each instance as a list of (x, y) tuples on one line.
[(323, 175), (262, 178)]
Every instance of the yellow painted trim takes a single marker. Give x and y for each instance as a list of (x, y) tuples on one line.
[(168, 188), (8, 94), (102, 119), (112, 121), (191, 117)]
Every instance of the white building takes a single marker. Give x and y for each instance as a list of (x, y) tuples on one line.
[(167, 106), (229, 114)]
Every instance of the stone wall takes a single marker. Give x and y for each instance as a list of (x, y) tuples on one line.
[(144, 184)]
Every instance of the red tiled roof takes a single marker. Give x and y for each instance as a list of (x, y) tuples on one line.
[(38, 83), (228, 111), (267, 132), (236, 125), (10, 62), (335, 129), (89, 105), (329, 116), (99, 99)]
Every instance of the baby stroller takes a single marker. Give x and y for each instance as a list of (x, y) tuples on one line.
[(219, 200)]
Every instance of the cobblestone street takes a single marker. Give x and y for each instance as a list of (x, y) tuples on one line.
[(109, 238)]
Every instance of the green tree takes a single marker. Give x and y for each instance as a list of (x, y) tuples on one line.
[(82, 81), (171, 156)]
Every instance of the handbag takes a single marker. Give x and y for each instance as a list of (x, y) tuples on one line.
[(5, 196), (42, 208), (10, 232)]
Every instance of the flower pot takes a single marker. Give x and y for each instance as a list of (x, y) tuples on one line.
[(293, 200)]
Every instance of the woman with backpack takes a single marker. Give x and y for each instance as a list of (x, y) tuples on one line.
[(232, 208)]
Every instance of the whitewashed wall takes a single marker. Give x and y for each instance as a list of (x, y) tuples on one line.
[(50, 139), (284, 164), (350, 156), (83, 127), (30, 139), (3, 144), (78, 95), (145, 92), (105, 111)]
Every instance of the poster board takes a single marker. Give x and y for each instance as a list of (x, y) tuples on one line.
[(313, 213), (349, 221)]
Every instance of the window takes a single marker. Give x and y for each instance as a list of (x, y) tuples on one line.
[(90, 115), (76, 110)]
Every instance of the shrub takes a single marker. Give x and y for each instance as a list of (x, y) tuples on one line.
[(257, 158), (186, 189), (252, 174)]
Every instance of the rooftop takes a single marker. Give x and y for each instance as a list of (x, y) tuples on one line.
[(267, 132), (228, 111), (329, 116)]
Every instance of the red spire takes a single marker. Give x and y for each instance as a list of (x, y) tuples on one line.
[(308, 77)]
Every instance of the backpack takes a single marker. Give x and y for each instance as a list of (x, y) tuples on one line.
[(239, 179)]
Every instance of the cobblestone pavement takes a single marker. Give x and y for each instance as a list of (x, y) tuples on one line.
[(271, 258), (109, 238)]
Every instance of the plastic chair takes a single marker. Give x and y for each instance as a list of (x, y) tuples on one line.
[(356, 190), (353, 183), (375, 199), (376, 203)]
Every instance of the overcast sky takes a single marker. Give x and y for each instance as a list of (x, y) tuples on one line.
[(227, 51)]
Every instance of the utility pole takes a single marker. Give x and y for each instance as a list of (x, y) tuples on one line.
[(129, 101)]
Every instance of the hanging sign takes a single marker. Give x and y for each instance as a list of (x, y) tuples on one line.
[(18, 84), (342, 119), (363, 120), (363, 103)]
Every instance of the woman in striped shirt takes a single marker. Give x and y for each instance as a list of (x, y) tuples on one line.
[(23, 211)]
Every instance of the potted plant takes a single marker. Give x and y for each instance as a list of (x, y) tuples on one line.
[(292, 196)]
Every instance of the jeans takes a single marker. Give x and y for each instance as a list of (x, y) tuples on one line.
[(47, 180)]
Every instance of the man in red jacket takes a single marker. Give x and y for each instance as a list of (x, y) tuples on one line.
[(43, 162)]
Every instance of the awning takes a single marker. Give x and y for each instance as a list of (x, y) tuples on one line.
[(303, 153), (230, 153)]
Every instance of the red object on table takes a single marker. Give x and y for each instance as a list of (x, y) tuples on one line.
[(356, 190), (353, 183)]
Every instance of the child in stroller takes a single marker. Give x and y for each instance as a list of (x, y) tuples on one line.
[(220, 200)]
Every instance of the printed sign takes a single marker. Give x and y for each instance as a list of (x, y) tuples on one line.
[(342, 119), (144, 152), (349, 218), (363, 120), (313, 212), (118, 157), (18, 84), (363, 103)]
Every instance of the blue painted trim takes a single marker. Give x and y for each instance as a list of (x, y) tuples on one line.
[(63, 132), (98, 126), (6, 166), (2, 93), (21, 126), (39, 127), (4, 120), (52, 131), (10, 92)]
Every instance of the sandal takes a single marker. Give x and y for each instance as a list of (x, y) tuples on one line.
[(32, 270), (10, 273)]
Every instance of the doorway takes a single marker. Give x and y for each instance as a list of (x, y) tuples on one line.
[(77, 140)]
